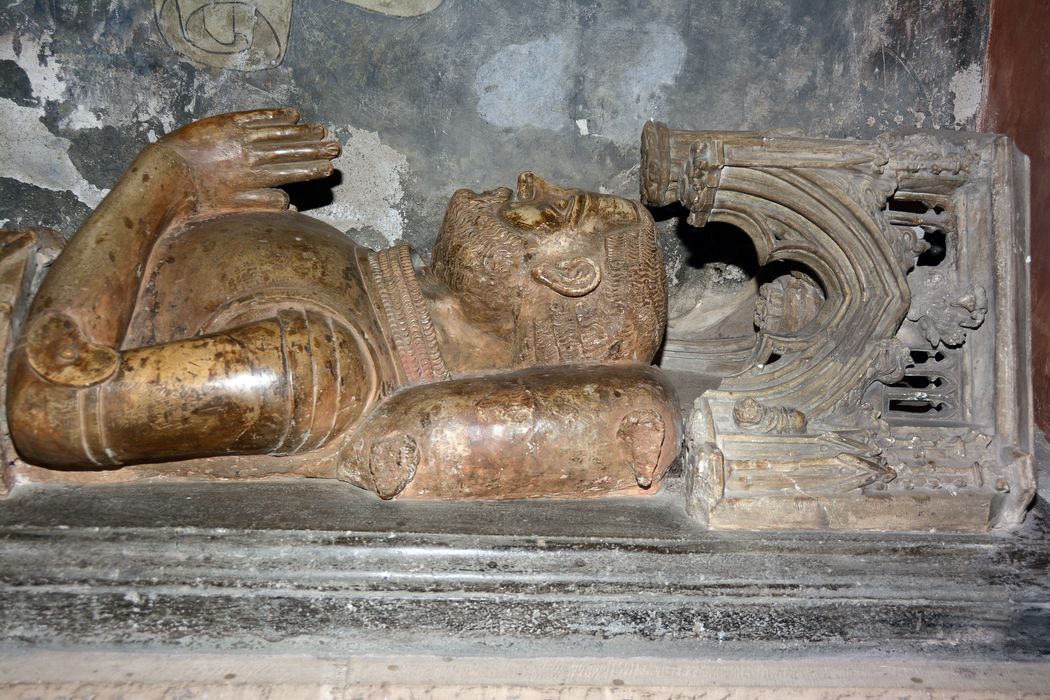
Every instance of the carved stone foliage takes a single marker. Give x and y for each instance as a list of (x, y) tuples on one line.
[(891, 330), (947, 317)]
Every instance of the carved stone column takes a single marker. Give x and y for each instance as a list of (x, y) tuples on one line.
[(888, 384)]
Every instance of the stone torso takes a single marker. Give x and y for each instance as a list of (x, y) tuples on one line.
[(230, 270), (234, 269)]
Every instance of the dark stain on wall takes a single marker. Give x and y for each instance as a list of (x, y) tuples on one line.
[(14, 83)]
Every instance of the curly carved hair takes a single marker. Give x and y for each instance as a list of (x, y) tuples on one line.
[(483, 260), (622, 320), (475, 253)]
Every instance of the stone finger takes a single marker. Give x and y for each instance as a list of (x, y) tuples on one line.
[(269, 199), (266, 117), (294, 133), (292, 153), (281, 173)]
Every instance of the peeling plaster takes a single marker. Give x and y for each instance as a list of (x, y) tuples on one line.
[(29, 152), (623, 183), (485, 97), (967, 88), (528, 85), (371, 191), (632, 91), (81, 118), (36, 58), (115, 97), (525, 85)]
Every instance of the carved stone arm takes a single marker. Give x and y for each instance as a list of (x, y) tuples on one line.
[(543, 432), (255, 389), (223, 163), (69, 356), (94, 281)]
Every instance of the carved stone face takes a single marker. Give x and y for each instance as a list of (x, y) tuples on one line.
[(574, 276)]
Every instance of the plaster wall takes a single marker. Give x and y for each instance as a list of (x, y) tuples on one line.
[(464, 93)]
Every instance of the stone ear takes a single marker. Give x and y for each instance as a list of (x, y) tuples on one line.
[(574, 277)]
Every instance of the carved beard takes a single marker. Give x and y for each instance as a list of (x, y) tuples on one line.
[(480, 257), (622, 320)]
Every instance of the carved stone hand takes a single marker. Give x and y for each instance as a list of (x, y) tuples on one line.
[(236, 161)]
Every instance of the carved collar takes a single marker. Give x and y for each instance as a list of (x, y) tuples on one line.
[(407, 319)]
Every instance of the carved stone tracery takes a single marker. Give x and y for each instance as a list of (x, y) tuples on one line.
[(891, 248)]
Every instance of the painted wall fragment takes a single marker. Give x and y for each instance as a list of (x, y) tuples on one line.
[(398, 8), (535, 84), (245, 35)]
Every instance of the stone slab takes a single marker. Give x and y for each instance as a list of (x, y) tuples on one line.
[(302, 567)]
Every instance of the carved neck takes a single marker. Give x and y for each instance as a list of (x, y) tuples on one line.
[(468, 344)]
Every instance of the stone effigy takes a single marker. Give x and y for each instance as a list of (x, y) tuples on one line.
[(874, 374), (882, 380), (195, 325)]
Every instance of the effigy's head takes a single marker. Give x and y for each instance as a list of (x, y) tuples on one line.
[(575, 276)]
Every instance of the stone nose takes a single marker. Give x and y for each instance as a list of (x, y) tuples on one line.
[(532, 186)]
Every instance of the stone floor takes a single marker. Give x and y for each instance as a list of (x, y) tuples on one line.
[(148, 676)]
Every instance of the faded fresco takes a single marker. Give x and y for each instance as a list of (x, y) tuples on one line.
[(235, 35)]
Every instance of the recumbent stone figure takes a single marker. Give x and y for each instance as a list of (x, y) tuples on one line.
[(195, 319)]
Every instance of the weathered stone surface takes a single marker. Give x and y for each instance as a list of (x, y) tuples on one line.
[(885, 378), (114, 675), (303, 568)]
